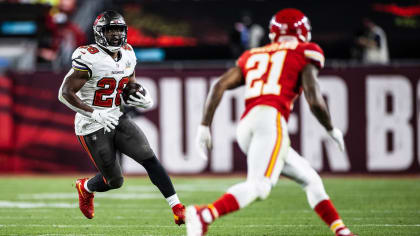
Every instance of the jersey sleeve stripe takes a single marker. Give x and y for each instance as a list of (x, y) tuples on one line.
[(316, 56), (82, 66)]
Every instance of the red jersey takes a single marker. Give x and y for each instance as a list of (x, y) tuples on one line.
[(272, 73)]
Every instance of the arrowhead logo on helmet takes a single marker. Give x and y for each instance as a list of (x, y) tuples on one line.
[(290, 22)]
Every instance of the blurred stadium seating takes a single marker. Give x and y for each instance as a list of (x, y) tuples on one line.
[(182, 47)]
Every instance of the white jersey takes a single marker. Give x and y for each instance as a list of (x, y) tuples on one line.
[(107, 80)]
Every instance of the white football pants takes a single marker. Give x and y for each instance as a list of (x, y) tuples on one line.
[(262, 135)]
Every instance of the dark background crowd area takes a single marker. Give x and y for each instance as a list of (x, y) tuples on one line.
[(48, 31)]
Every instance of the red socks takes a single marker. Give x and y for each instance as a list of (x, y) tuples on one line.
[(327, 212), (325, 209), (224, 205)]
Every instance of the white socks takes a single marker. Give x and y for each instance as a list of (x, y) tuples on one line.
[(173, 200), (86, 187)]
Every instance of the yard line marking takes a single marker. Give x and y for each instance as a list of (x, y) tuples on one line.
[(193, 187), (78, 226), (215, 226), (124, 196), (182, 187), (8, 204), (69, 234), (388, 225)]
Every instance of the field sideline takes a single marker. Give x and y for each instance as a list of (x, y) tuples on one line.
[(48, 206)]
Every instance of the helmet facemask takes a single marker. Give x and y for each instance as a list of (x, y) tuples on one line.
[(110, 34)]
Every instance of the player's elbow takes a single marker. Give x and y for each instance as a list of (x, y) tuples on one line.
[(219, 87), (63, 95), (314, 98), (60, 96)]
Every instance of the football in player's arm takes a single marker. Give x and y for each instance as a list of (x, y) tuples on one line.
[(93, 89), (274, 76)]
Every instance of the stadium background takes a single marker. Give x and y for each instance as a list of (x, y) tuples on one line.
[(182, 47)]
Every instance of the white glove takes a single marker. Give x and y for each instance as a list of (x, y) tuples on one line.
[(337, 136), (107, 120), (203, 141), (143, 101)]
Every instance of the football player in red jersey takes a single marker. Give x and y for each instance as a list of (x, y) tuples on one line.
[(274, 76), (92, 88)]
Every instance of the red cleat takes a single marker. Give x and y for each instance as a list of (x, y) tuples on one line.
[(85, 199), (196, 226), (179, 214), (344, 232)]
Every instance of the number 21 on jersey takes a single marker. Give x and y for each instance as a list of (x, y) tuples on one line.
[(272, 66)]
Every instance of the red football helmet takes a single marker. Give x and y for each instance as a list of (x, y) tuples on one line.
[(290, 22)]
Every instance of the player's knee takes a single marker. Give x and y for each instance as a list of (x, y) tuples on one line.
[(116, 182), (263, 188), (315, 190), (315, 187), (312, 179)]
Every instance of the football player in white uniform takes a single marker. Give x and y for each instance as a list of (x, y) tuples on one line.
[(92, 88)]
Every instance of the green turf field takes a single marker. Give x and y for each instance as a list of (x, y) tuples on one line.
[(48, 206)]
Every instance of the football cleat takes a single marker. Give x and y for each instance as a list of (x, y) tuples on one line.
[(196, 226), (179, 214), (344, 232), (85, 199)]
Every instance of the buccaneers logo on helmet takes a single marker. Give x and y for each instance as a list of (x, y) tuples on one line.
[(106, 22)]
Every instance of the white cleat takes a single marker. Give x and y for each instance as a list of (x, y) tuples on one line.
[(194, 222)]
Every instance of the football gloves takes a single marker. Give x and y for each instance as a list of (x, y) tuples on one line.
[(337, 136), (107, 120), (140, 100), (203, 141)]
